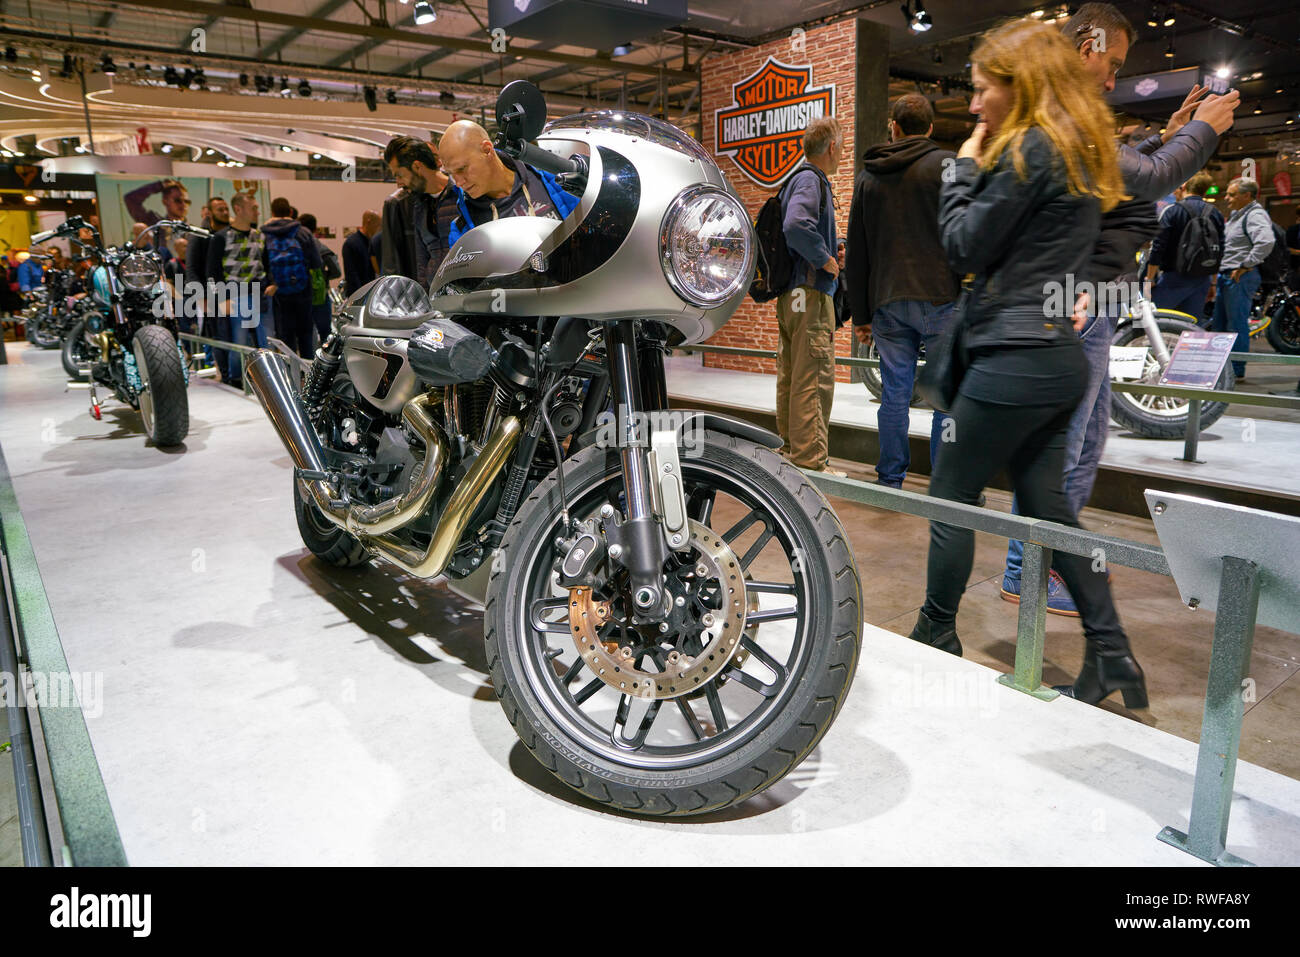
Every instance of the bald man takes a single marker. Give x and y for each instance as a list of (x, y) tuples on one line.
[(492, 185), (357, 269)]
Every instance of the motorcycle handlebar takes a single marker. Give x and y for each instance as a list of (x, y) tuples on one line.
[(47, 235)]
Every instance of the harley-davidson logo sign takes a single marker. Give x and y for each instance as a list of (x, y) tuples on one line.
[(762, 130)]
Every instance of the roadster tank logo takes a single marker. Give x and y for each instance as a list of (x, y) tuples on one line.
[(762, 130), (462, 256)]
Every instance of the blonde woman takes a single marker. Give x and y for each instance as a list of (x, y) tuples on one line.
[(1021, 211)]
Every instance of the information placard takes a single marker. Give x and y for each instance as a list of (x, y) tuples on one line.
[(1198, 359), (1127, 362)]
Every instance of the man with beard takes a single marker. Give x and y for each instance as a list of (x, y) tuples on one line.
[(417, 220), (196, 271)]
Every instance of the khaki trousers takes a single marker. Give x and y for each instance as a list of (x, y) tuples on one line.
[(805, 374)]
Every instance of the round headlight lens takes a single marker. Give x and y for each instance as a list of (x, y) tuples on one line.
[(139, 272), (707, 246)]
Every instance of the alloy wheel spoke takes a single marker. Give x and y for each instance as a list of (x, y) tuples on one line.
[(715, 708), (771, 588), (731, 534), (588, 690), (692, 721), (772, 665), (758, 545), (771, 614)]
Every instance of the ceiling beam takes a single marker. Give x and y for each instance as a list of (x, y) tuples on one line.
[(288, 36), (413, 37), (420, 62)]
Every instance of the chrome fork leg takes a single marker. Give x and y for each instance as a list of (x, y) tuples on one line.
[(641, 537)]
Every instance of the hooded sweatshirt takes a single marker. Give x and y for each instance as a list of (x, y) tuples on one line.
[(893, 250)]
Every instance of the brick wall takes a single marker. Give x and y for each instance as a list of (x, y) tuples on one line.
[(832, 52)]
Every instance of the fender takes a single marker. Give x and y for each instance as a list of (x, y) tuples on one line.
[(737, 428)]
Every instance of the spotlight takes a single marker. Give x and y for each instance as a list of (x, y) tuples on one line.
[(315, 156), (623, 49), (286, 149), (200, 80), (391, 96), (11, 54), (918, 21), (29, 198), (1258, 110), (1221, 73), (368, 93), (187, 79), (166, 147), (170, 76), (304, 88), (424, 12), (209, 151), (262, 83), (106, 64), (1169, 17), (1169, 50), (69, 65), (446, 97), (243, 79), (284, 86)]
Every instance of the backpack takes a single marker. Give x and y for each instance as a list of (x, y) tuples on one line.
[(319, 287), (1200, 247), (1275, 267), (288, 263), (775, 264)]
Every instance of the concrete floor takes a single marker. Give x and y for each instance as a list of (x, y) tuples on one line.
[(259, 708)]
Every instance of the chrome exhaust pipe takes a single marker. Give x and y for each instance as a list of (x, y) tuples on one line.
[(270, 383)]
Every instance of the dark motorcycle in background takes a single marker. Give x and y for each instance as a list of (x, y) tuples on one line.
[(132, 350), (672, 610)]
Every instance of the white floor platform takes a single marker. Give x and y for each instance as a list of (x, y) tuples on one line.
[(1238, 451), (257, 708)]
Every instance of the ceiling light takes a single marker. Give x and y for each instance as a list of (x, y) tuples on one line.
[(106, 64), (200, 80), (368, 94), (209, 151), (304, 88), (918, 21), (1169, 50), (166, 147), (1258, 109), (1037, 14), (286, 149), (315, 156), (391, 96), (425, 12), (1153, 18), (29, 198), (69, 65), (187, 78), (170, 77), (284, 86), (243, 79), (11, 54), (1169, 17), (623, 49), (447, 97), (1221, 73), (221, 162)]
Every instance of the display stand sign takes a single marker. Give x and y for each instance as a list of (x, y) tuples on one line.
[(1198, 359), (1127, 362)]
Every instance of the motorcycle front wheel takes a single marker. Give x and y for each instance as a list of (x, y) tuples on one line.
[(1159, 416), (164, 403), (726, 696)]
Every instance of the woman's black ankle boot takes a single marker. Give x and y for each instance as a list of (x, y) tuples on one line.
[(1105, 672), (941, 636)]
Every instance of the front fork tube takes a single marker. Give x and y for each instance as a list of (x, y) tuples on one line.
[(1146, 315), (641, 537)]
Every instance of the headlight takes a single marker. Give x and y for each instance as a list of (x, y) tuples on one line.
[(707, 246), (139, 272)]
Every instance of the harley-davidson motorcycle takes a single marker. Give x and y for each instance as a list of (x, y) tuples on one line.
[(672, 611), (132, 349), (45, 316)]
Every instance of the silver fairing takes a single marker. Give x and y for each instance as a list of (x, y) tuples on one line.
[(603, 261), (375, 324)]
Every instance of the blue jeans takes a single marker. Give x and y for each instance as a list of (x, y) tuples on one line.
[(899, 329), (242, 312), (1085, 439), (1232, 311), (1181, 293)]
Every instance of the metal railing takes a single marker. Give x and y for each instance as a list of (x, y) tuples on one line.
[(1242, 584), (1194, 396)]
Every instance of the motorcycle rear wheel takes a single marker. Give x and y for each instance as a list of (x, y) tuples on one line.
[(77, 354), (716, 750)]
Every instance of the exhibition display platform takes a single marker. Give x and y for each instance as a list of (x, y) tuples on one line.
[(249, 705)]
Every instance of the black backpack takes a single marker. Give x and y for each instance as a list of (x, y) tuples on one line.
[(1200, 248), (1278, 263), (775, 264)]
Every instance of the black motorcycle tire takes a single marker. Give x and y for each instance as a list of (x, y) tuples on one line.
[(1125, 409), (871, 377), (1283, 331), (41, 340), (322, 537), (789, 734), (160, 369), (72, 343)]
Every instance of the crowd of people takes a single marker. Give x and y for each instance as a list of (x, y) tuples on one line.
[(956, 252)]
